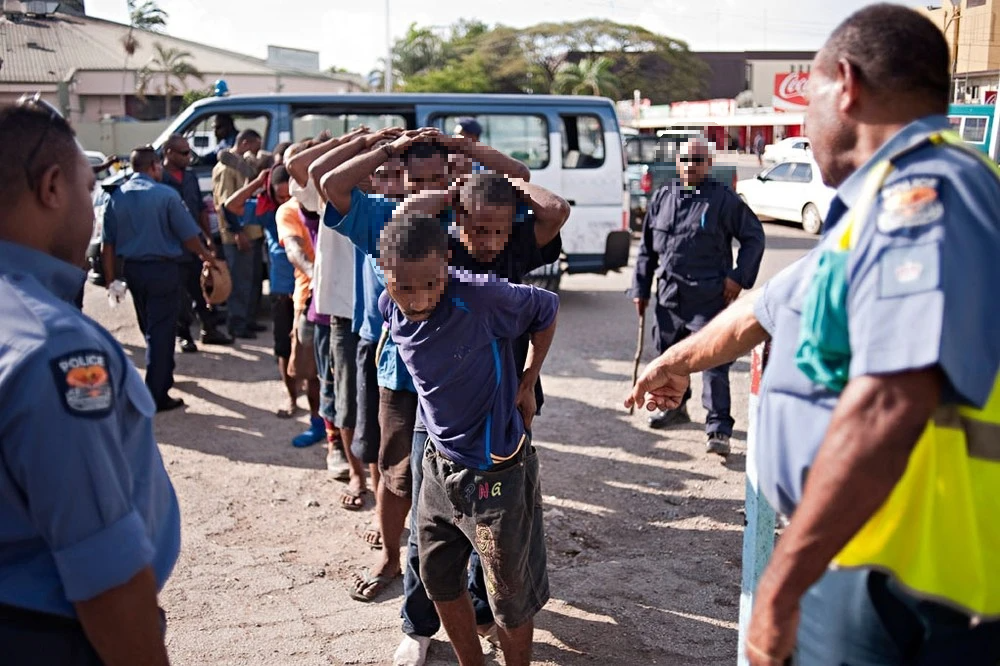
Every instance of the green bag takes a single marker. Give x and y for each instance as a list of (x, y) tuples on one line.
[(824, 351)]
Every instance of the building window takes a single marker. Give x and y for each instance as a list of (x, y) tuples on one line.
[(974, 3), (974, 129)]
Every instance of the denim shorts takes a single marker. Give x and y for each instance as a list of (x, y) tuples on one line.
[(344, 355), (324, 370)]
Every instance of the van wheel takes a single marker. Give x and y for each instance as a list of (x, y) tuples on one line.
[(546, 282), (812, 221)]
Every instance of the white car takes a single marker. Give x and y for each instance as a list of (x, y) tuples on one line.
[(791, 191), (792, 148)]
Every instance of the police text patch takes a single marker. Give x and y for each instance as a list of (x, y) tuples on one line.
[(83, 379), (913, 202)]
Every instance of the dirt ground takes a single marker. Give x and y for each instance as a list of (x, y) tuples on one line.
[(644, 529)]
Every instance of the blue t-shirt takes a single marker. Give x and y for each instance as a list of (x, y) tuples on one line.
[(920, 280), (147, 220), (462, 362), (371, 287), (85, 501), (281, 273)]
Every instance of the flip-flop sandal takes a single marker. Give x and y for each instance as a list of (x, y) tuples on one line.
[(353, 500), (373, 537), (373, 585)]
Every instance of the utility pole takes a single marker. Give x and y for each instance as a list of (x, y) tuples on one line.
[(956, 19), (387, 75)]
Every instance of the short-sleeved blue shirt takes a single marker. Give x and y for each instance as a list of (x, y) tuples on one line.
[(281, 273), (920, 283), (462, 362), (146, 220), (85, 502)]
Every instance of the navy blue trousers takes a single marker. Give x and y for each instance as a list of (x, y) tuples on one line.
[(155, 287), (669, 330), (862, 618)]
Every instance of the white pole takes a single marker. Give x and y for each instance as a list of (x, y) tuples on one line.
[(994, 128), (387, 76)]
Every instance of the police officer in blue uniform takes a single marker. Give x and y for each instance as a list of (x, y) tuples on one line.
[(147, 227), (687, 239), (882, 338), (178, 175), (89, 523)]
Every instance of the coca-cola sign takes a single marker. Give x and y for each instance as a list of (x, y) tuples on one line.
[(790, 91)]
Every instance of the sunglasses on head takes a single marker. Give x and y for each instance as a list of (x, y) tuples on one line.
[(693, 159), (36, 101)]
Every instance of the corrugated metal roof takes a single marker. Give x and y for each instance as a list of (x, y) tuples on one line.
[(48, 49)]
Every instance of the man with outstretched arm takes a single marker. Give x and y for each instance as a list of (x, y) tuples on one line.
[(879, 406)]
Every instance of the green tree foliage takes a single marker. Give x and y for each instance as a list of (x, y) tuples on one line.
[(587, 77), (584, 57), (172, 67)]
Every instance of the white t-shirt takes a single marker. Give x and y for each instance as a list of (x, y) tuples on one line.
[(333, 274)]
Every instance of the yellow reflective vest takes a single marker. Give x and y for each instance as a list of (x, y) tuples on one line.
[(938, 533)]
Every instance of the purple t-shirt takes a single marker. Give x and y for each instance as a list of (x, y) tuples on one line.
[(462, 362), (312, 225)]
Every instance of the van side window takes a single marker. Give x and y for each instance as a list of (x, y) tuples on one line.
[(523, 137), (309, 124), (583, 142), (209, 134)]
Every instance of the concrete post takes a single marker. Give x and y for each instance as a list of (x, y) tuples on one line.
[(758, 535)]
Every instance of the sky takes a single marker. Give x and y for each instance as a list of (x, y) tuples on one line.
[(352, 35)]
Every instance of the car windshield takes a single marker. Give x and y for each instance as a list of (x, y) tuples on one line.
[(649, 149)]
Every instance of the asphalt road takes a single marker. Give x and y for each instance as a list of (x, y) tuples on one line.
[(643, 528)]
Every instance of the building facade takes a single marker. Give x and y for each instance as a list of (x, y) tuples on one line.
[(79, 64), (735, 72), (973, 33)]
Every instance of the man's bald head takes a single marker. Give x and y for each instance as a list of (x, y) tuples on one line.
[(881, 69), (694, 161), (45, 183), (896, 53), (32, 140)]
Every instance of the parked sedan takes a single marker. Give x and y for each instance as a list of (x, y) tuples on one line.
[(791, 191), (792, 148)]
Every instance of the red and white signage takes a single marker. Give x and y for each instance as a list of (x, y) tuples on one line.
[(991, 97), (708, 107), (790, 91)]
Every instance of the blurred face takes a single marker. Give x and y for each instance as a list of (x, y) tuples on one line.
[(429, 173), (693, 163), (281, 194), (178, 155), (221, 129), (416, 285), (831, 132), (390, 180), (484, 228), (249, 146)]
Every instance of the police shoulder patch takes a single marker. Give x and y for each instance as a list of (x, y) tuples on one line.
[(909, 203), (83, 379)]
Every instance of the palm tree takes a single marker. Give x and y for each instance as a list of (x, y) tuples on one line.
[(587, 77), (146, 16), (174, 66)]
